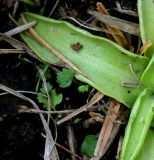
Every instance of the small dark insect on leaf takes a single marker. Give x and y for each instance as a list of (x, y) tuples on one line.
[(76, 46), (130, 84)]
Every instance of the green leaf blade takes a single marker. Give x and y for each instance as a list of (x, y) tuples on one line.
[(105, 64), (148, 147), (146, 14), (148, 75), (138, 125)]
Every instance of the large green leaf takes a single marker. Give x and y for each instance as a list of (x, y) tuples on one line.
[(139, 139), (146, 17), (148, 147), (105, 64), (138, 125), (148, 75)]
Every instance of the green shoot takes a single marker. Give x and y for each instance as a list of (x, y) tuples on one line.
[(55, 98), (83, 88), (65, 77)]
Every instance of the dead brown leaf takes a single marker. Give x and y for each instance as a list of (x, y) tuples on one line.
[(107, 128)]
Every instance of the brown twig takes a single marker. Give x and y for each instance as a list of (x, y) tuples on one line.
[(94, 99), (126, 26), (64, 148), (8, 51), (20, 29), (71, 140), (105, 136), (16, 44), (24, 109)]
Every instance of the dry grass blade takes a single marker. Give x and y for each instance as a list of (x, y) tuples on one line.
[(107, 129), (98, 96), (13, 42), (20, 28), (53, 8), (50, 149), (65, 149), (119, 147), (118, 37), (16, 44), (89, 26), (145, 47), (128, 12), (123, 25), (24, 109), (8, 51), (46, 89), (71, 140)]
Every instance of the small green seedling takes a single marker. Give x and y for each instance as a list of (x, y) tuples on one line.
[(65, 77), (54, 97), (77, 120), (88, 145), (83, 88)]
